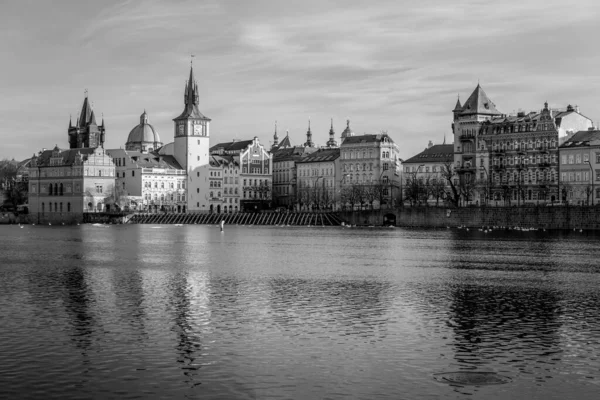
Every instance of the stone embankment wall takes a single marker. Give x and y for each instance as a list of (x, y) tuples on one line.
[(572, 217)]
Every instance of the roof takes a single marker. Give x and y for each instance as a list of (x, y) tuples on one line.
[(581, 139), (321, 155), (153, 160), (457, 107), (191, 99), (436, 153), (217, 160), (292, 153), (237, 145), (144, 132), (68, 156), (369, 138), (285, 142), (479, 103)]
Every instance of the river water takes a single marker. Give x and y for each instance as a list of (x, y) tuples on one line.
[(141, 311)]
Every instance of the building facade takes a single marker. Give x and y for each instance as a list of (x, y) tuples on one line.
[(148, 182), (425, 175), (579, 159), (318, 184), (369, 161), (65, 183)]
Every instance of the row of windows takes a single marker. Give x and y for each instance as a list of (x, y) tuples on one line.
[(523, 145), (577, 158), (257, 182), (529, 176), (163, 197), (58, 207), (170, 185), (582, 176), (524, 160)]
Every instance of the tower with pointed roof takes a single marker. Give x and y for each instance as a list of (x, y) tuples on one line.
[(86, 133), (191, 145), (309, 142), (471, 153), (331, 142), (275, 138)]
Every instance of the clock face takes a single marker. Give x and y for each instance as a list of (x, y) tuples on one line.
[(197, 129), (180, 129)]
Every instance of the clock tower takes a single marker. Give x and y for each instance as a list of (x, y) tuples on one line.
[(191, 147)]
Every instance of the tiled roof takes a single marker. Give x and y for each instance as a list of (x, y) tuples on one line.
[(436, 153), (68, 156), (152, 160), (232, 146), (216, 160), (321, 155), (479, 103), (369, 138), (292, 153), (581, 139), (285, 142)]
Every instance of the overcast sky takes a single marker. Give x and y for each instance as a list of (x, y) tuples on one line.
[(392, 65)]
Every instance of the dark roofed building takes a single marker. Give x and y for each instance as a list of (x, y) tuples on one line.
[(86, 132), (437, 153), (230, 148)]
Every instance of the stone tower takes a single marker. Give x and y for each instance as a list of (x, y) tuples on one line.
[(86, 133), (191, 146)]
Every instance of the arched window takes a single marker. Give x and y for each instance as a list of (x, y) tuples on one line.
[(68, 207), (50, 190), (212, 194), (61, 189), (99, 172), (55, 207), (61, 208), (43, 207)]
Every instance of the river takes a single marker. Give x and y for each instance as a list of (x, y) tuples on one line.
[(141, 311)]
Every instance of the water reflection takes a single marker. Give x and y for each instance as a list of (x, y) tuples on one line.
[(77, 299), (129, 292), (355, 307)]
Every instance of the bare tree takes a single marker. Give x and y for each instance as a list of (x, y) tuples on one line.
[(437, 189), (449, 174)]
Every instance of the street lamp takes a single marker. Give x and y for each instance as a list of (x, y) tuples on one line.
[(592, 179)]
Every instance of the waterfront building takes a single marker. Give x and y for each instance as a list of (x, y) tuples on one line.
[(148, 182), (523, 154), (425, 175), (65, 183), (579, 159), (467, 121), (285, 156), (255, 177), (367, 161), (230, 171), (318, 183)]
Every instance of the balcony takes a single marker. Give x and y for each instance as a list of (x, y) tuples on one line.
[(466, 136)]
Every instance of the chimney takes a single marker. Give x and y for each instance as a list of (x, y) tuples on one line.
[(577, 109), (430, 144)]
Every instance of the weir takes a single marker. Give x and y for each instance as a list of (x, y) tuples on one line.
[(296, 219)]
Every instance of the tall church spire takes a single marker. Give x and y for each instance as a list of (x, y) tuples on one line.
[(309, 142), (275, 138), (191, 99), (331, 142)]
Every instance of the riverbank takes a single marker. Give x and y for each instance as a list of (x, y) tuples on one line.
[(542, 217)]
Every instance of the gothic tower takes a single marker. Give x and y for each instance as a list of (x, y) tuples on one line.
[(331, 142), (309, 142), (191, 147), (275, 138), (86, 132)]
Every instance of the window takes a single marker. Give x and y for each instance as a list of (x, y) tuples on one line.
[(571, 159), (132, 173), (586, 158), (198, 174), (578, 159), (197, 190), (68, 207), (385, 166), (98, 188)]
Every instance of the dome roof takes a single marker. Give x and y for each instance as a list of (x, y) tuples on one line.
[(348, 131), (143, 133)]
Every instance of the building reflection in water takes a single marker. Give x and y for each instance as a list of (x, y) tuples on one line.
[(188, 294), (77, 299), (355, 307), (128, 288)]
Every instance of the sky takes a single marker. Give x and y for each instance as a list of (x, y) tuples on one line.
[(386, 65)]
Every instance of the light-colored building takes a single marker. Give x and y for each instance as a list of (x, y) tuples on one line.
[(369, 160), (65, 183), (143, 137), (425, 175), (255, 172), (148, 182), (284, 157), (318, 183), (579, 159)]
